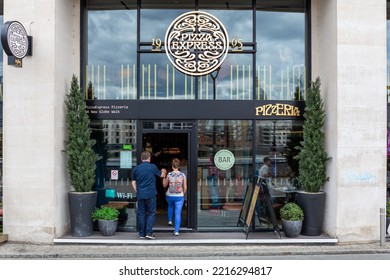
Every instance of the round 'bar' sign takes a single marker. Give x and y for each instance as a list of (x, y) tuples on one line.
[(14, 39), (224, 159), (196, 43)]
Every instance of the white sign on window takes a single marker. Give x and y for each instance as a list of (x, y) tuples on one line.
[(125, 159), (114, 174)]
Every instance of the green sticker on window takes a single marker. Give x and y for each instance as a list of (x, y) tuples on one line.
[(224, 159), (127, 147)]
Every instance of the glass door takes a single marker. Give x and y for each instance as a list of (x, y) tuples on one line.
[(222, 187), (167, 141)]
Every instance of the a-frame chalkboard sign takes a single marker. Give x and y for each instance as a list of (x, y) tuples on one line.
[(245, 206), (248, 207)]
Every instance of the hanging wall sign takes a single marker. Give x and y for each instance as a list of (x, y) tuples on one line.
[(16, 43), (196, 43)]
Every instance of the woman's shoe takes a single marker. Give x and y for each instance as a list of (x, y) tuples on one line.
[(169, 223), (176, 233)]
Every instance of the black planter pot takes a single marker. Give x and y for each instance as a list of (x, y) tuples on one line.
[(313, 206), (387, 225), (108, 228), (81, 206)]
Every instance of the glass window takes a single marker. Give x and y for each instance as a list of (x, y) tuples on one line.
[(234, 80), (160, 80), (154, 26), (111, 70), (277, 140), (167, 4), (286, 6), (117, 146), (112, 5), (280, 57), (221, 191), (112, 57), (223, 4), (238, 23)]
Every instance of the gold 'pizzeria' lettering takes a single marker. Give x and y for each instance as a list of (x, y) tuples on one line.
[(278, 109)]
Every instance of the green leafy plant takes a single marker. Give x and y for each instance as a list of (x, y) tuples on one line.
[(292, 212), (388, 209), (312, 155), (81, 157), (105, 213)]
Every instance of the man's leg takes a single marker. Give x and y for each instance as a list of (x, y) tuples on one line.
[(141, 214), (150, 215)]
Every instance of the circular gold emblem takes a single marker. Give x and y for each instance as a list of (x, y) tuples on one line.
[(196, 43)]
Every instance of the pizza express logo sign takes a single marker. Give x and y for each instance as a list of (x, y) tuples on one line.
[(14, 39), (196, 43)]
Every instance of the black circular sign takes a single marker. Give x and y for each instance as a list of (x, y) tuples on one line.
[(14, 39)]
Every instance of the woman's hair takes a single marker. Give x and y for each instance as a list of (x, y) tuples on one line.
[(176, 163)]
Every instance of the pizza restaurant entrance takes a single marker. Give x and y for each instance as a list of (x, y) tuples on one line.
[(165, 146)]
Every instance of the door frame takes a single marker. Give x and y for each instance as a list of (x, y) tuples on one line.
[(192, 189)]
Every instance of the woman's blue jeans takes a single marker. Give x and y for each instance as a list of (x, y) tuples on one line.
[(175, 204)]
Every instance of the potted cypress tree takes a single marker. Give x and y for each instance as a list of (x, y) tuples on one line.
[(312, 159), (81, 162)]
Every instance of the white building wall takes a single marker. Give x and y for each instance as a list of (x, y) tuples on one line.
[(349, 55), (35, 183)]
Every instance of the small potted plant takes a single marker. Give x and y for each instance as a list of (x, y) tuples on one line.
[(107, 218), (292, 217)]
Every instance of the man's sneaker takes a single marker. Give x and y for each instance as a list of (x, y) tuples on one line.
[(170, 223), (150, 237), (176, 233), (142, 237)]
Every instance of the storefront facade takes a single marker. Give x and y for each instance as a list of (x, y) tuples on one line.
[(143, 102), (249, 105)]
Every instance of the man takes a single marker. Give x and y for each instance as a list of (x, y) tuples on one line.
[(144, 183), (264, 171), (264, 174)]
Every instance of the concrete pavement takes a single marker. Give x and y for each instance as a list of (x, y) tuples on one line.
[(11, 250)]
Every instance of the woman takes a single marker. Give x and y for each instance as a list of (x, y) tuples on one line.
[(177, 187)]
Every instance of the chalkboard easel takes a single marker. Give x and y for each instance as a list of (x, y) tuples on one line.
[(245, 206), (248, 207)]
